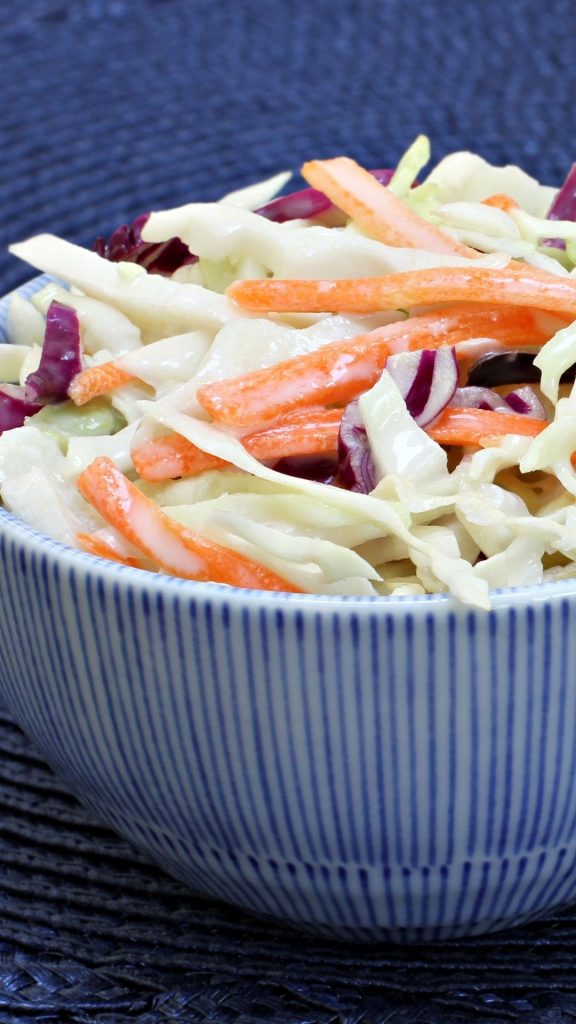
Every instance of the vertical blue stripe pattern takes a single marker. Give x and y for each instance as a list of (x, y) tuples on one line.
[(372, 770)]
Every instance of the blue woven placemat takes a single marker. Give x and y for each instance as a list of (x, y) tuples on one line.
[(111, 107), (90, 932)]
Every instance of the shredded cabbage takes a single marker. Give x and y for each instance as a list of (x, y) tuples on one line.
[(408, 168), (444, 517), (156, 305), (468, 177), (289, 250), (399, 445)]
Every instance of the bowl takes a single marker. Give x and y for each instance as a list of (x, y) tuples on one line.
[(365, 768)]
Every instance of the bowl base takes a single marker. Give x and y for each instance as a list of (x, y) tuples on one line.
[(372, 904)]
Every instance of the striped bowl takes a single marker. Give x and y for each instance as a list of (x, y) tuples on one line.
[(367, 768)]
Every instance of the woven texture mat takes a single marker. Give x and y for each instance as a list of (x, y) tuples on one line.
[(89, 932), (111, 107)]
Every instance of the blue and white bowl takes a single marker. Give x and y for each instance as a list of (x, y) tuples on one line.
[(398, 768)]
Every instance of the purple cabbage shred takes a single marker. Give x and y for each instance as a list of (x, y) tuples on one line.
[(517, 403), (308, 202), (61, 357), (127, 245), (427, 380), (421, 387), (14, 407), (523, 401), (563, 207), (356, 467)]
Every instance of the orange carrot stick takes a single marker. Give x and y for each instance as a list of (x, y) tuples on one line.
[(501, 201), (517, 285), (97, 380), (337, 372), (96, 545), (341, 370), (511, 326), (166, 458), (314, 433), (174, 548), (456, 426), (377, 210)]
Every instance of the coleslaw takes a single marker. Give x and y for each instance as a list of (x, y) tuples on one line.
[(364, 387)]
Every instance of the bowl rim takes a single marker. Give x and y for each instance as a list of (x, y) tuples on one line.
[(39, 545)]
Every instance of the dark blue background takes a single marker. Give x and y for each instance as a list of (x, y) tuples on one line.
[(111, 107)]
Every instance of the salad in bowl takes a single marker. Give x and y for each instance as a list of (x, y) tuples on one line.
[(288, 545), (363, 387)]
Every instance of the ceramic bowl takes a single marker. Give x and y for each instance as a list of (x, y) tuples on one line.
[(398, 768)]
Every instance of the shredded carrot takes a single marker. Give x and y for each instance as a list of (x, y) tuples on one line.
[(516, 285), (166, 458), (174, 456), (318, 435), (97, 380), (456, 426), (341, 370), (96, 545), (511, 326), (171, 546), (312, 432), (502, 201), (376, 209), (337, 372)]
